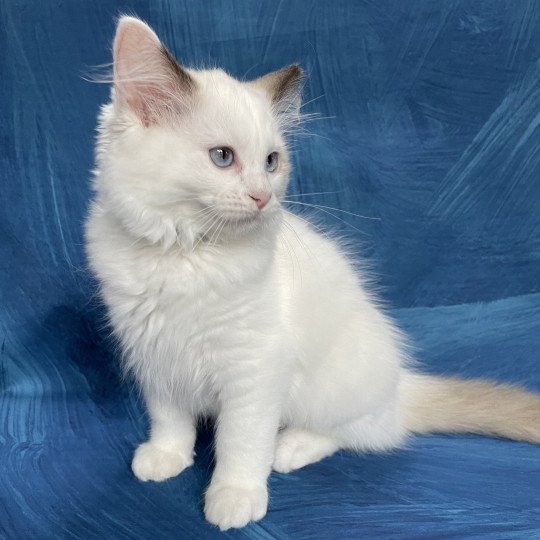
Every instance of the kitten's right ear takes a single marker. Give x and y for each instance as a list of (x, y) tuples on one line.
[(147, 78), (284, 89)]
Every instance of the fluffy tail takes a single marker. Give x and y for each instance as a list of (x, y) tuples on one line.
[(440, 404)]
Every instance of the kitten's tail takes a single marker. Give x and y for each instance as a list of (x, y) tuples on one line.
[(440, 404)]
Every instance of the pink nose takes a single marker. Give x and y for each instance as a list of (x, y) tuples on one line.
[(261, 198)]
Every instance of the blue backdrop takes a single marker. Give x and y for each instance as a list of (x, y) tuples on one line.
[(432, 125)]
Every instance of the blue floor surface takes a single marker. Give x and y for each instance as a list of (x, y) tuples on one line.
[(431, 123)]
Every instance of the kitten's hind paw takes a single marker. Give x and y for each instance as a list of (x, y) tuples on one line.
[(152, 462), (297, 448)]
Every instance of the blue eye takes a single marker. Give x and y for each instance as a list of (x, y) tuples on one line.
[(272, 162), (222, 156)]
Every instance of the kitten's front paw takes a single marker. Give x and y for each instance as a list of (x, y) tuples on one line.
[(151, 462), (232, 506)]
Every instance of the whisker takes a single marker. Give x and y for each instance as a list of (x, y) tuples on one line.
[(332, 208), (201, 212), (330, 213), (181, 199), (215, 233), (315, 193), (298, 239), (220, 231), (212, 219), (288, 247), (311, 224)]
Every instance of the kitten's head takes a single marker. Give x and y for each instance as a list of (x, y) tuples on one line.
[(189, 155)]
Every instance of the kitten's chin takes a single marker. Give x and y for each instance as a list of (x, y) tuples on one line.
[(233, 228), (248, 224)]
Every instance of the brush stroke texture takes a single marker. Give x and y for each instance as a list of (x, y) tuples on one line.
[(434, 127)]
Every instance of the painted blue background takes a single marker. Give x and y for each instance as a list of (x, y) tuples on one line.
[(434, 128)]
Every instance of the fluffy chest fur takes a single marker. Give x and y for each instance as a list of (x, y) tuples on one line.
[(188, 322)]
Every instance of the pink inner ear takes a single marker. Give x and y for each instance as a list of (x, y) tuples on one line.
[(141, 76)]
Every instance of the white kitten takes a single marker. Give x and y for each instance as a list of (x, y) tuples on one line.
[(227, 305)]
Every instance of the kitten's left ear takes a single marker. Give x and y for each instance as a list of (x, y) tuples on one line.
[(284, 88)]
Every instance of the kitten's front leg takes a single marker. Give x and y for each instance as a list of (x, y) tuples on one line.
[(169, 449), (245, 440)]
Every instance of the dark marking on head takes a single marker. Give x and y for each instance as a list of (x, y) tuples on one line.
[(185, 80), (284, 89), (287, 83)]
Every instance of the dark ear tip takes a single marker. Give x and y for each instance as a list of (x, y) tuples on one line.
[(296, 71)]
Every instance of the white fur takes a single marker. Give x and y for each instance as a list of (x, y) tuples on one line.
[(251, 317)]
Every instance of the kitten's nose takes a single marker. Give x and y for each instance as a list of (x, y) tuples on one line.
[(261, 198)]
